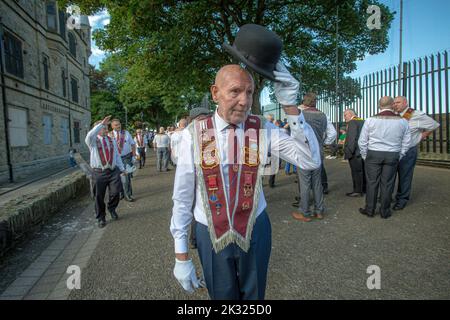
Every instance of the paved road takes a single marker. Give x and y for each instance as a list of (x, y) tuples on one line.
[(132, 258)]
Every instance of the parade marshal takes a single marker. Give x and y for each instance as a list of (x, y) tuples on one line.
[(218, 181)]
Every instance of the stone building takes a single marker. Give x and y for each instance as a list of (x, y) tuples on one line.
[(45, 93)]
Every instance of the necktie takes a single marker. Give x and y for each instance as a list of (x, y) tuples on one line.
[(233, 166)]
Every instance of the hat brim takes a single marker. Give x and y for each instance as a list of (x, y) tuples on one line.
[(236, 54)]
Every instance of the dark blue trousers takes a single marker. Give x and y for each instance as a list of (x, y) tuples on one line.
[(405, 172), (233, 274)]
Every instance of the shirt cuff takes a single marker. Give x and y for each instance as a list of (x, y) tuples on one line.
[(181, 245)]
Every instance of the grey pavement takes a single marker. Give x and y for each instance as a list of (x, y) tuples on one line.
[(133, 258)]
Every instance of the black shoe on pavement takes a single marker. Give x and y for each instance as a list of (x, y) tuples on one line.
[(295, 204), (114, 215), (398, 207), (325, 191), (365, 212), (101, 223), (129, 199)]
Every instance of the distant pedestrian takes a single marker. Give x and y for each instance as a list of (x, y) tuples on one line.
[(161, 144), (141, 147), (72, 160), (175, 140), (352, 153)]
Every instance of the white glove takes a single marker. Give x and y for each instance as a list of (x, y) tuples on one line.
[(286, 86), (184, 271)]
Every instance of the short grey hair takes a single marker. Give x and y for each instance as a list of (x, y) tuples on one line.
[(352, 111)]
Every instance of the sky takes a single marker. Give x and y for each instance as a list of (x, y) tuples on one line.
[(426, 30)]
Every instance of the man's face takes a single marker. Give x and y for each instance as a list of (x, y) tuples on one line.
[(233, 92), (347, 116), (116, 125), (400, 104)]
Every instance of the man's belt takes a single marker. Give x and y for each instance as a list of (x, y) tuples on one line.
[(100, 170), (129, 155)]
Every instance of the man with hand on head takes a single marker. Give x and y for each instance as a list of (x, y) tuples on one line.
[(219, 174), (107, 167)]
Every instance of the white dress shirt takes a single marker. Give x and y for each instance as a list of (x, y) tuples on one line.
[(419, 123), (294, 149), (384, 134), (127, 142), (95, 160), (175, 140), (162, 140)]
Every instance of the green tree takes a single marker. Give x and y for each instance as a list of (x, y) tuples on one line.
[(179, 42)]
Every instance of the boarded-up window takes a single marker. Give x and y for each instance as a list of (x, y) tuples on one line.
[(18, 127), (47, 125), (64, 130)]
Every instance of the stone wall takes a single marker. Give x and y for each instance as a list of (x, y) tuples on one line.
[(21, 215)]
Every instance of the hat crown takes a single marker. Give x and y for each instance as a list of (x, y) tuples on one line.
[(258, 48), (257, 42)]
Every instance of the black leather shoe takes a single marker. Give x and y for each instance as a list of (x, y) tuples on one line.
[(101, 223), (295, 204), (129, 199), (354, 194), (325, 191), (398, 207), (365, 212), (114, 215)]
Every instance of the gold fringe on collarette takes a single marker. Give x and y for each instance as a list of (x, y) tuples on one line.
[(231, 236)]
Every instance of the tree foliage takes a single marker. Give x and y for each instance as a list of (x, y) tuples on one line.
[(172, 49)]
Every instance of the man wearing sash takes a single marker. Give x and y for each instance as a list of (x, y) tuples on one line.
[(221, 161), (421, 126), (127, 151), (383, 142), (106, 167), (141, 142)]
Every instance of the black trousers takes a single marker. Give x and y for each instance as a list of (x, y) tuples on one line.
[(381, 168), (358, 175), (405, 176), (102, 180), (141, 152)]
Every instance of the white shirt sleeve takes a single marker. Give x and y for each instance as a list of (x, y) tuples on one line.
[(183, 194), (363, 141), (406, 139), (331, 133), (297, 149), (91, 136)]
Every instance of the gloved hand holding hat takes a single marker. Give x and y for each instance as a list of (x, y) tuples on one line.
[(260, 50)]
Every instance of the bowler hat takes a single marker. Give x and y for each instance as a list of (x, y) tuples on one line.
[(258, 48)]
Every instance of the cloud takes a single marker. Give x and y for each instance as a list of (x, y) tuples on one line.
[(98, 21)]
